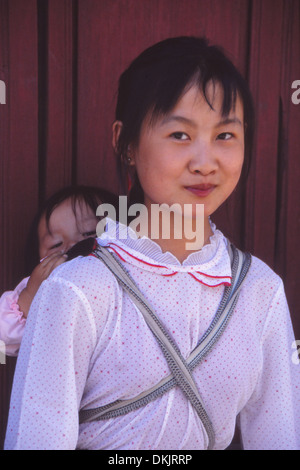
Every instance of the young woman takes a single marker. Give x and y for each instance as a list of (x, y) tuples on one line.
[(183, 130)]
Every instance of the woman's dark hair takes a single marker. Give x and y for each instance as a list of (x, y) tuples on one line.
[(156, 79), (90, 196)]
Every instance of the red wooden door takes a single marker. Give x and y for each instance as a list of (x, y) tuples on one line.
[(60, 61)]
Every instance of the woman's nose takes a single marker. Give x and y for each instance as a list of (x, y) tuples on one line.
[(203, 160)]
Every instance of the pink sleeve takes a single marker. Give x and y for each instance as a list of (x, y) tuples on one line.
[(12, 321)]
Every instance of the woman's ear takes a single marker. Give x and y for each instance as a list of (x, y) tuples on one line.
[(127, 159), (116, 131)]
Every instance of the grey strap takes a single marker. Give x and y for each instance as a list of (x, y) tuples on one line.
[(180, 368)]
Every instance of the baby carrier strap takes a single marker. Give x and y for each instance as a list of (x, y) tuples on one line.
[(181, 369)]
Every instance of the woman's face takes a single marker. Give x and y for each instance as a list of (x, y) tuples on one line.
[(66, 228), (193, 154)]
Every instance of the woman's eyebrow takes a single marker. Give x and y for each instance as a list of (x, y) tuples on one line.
[(226, 121), (191, 123), (177, 118)]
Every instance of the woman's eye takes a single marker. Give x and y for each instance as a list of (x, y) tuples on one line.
[(225, 136), (180, 136)]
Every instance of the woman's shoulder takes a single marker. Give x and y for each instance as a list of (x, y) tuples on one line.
[(262, 270), (84, 271), (261, 278)]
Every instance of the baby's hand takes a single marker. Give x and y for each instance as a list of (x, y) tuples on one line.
[(39, 274)]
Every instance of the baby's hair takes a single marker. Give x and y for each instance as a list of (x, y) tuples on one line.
[(80, 194), (159, 76)]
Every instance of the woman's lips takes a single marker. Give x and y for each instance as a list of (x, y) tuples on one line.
[(201, 190)]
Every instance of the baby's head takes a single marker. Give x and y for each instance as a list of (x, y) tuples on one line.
[(66, 224), (158, 78), (66, 218)]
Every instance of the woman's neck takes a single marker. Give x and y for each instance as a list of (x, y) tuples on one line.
[(181, 236), (184, 246)]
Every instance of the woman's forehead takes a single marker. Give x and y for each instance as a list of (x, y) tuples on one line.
[(193, 96)]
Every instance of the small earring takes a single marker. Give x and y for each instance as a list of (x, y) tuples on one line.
[(126, 160)]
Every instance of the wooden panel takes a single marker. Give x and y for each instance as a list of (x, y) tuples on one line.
[(265, 75), (272, 206), (287, 250), (4, 143), (57, 81), (19, 180), (19, 151)]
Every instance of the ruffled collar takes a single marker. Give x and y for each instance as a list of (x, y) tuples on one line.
[(210, 265)]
